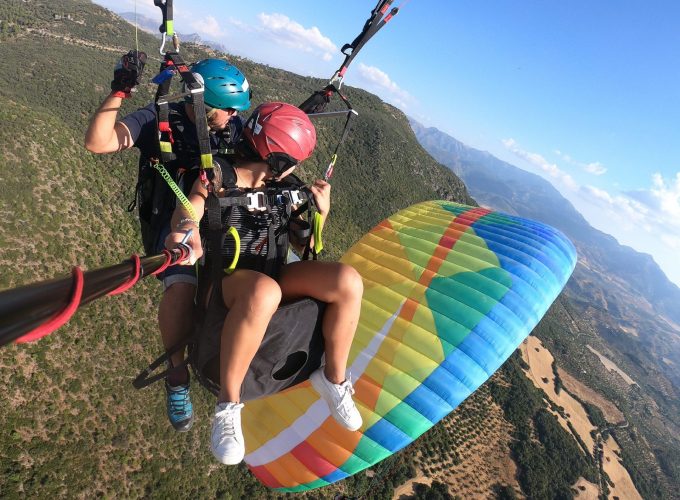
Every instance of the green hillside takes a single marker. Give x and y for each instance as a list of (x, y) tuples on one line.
[(72, 425), (71, 422)]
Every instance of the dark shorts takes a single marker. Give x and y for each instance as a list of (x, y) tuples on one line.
[(174, 274)]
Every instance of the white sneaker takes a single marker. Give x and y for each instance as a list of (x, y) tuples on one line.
[(226, 438), (339, 399)]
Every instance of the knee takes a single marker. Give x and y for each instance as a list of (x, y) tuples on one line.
[(350, 284), (261, 295)]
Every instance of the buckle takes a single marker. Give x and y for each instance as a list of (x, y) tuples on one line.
[(256, 201), (293, 196)]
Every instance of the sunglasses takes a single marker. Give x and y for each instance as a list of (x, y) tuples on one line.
[(210, 111)]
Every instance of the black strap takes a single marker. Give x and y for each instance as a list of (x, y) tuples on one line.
[(198, 105), (233, 201), (216, 237), (377, 20), (316, 103), (270, 267), (166, 9), (173, 61), (145, 378)]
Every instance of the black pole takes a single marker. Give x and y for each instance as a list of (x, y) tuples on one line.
[(25, 308)]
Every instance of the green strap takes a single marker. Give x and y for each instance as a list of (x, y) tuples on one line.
[(318, 244), (178, 192), (206, 161), (237, 249)]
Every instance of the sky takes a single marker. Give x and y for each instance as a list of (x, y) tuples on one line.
[(584, 93)]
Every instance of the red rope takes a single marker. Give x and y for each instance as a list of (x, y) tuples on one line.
[(59, 319), (166, 264), (131, 282)]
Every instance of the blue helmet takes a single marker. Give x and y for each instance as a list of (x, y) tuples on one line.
[(225, 85)]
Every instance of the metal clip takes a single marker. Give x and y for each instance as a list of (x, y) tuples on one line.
[(293, 196), (163, 35), (257, 201)]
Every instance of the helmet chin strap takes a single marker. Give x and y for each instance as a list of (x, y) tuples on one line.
[(280, 162)]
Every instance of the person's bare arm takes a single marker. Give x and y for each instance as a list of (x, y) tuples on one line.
[(182, 221), (322, 197), (105, 134)]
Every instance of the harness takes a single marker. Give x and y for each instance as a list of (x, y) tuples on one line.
[(270, 214), (293, 345), (157, 193), (161, 184)]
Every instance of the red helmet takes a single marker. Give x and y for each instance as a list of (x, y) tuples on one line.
[(281, 134)]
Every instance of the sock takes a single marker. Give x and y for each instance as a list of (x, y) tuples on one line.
[(178, 375)]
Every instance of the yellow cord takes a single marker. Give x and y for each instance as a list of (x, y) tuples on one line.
[(178, 192)]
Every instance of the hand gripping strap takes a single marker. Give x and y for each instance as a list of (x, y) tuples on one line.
[(62, 317)]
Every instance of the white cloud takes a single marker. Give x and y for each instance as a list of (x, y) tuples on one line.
[(668, 195), (284, 30), (381, 79), (237, 23), (551, 169), (600, 194), (376, 80), (671, 241), (646, 219), (594, 167), (624, 210), (208, 26)]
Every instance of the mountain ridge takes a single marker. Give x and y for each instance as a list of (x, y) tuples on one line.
[(623, 300), (506, 172)]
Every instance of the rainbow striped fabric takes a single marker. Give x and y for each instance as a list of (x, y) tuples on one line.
[(450, 291)]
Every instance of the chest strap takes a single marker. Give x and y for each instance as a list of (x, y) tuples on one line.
[(262, 201)]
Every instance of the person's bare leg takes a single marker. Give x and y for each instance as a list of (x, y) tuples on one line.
[(252, 299), (175, 321), (340, 286)]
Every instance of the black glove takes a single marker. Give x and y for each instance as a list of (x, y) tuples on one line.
[(316, 103), (128, 72)]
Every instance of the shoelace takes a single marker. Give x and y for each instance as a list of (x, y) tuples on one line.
[(226, 420), (179, 401), (346, 402)]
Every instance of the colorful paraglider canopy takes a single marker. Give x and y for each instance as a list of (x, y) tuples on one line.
[(450, 293)]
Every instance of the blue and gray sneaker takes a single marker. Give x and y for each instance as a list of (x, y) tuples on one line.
[(180, 411)]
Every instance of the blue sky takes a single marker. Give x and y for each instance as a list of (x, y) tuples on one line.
[(586, 94)]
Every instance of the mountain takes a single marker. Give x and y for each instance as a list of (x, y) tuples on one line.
[(153, 26), (620, 294), (630, 286), (145, 23)]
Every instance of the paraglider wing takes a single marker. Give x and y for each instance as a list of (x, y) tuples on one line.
[(450, 292)]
